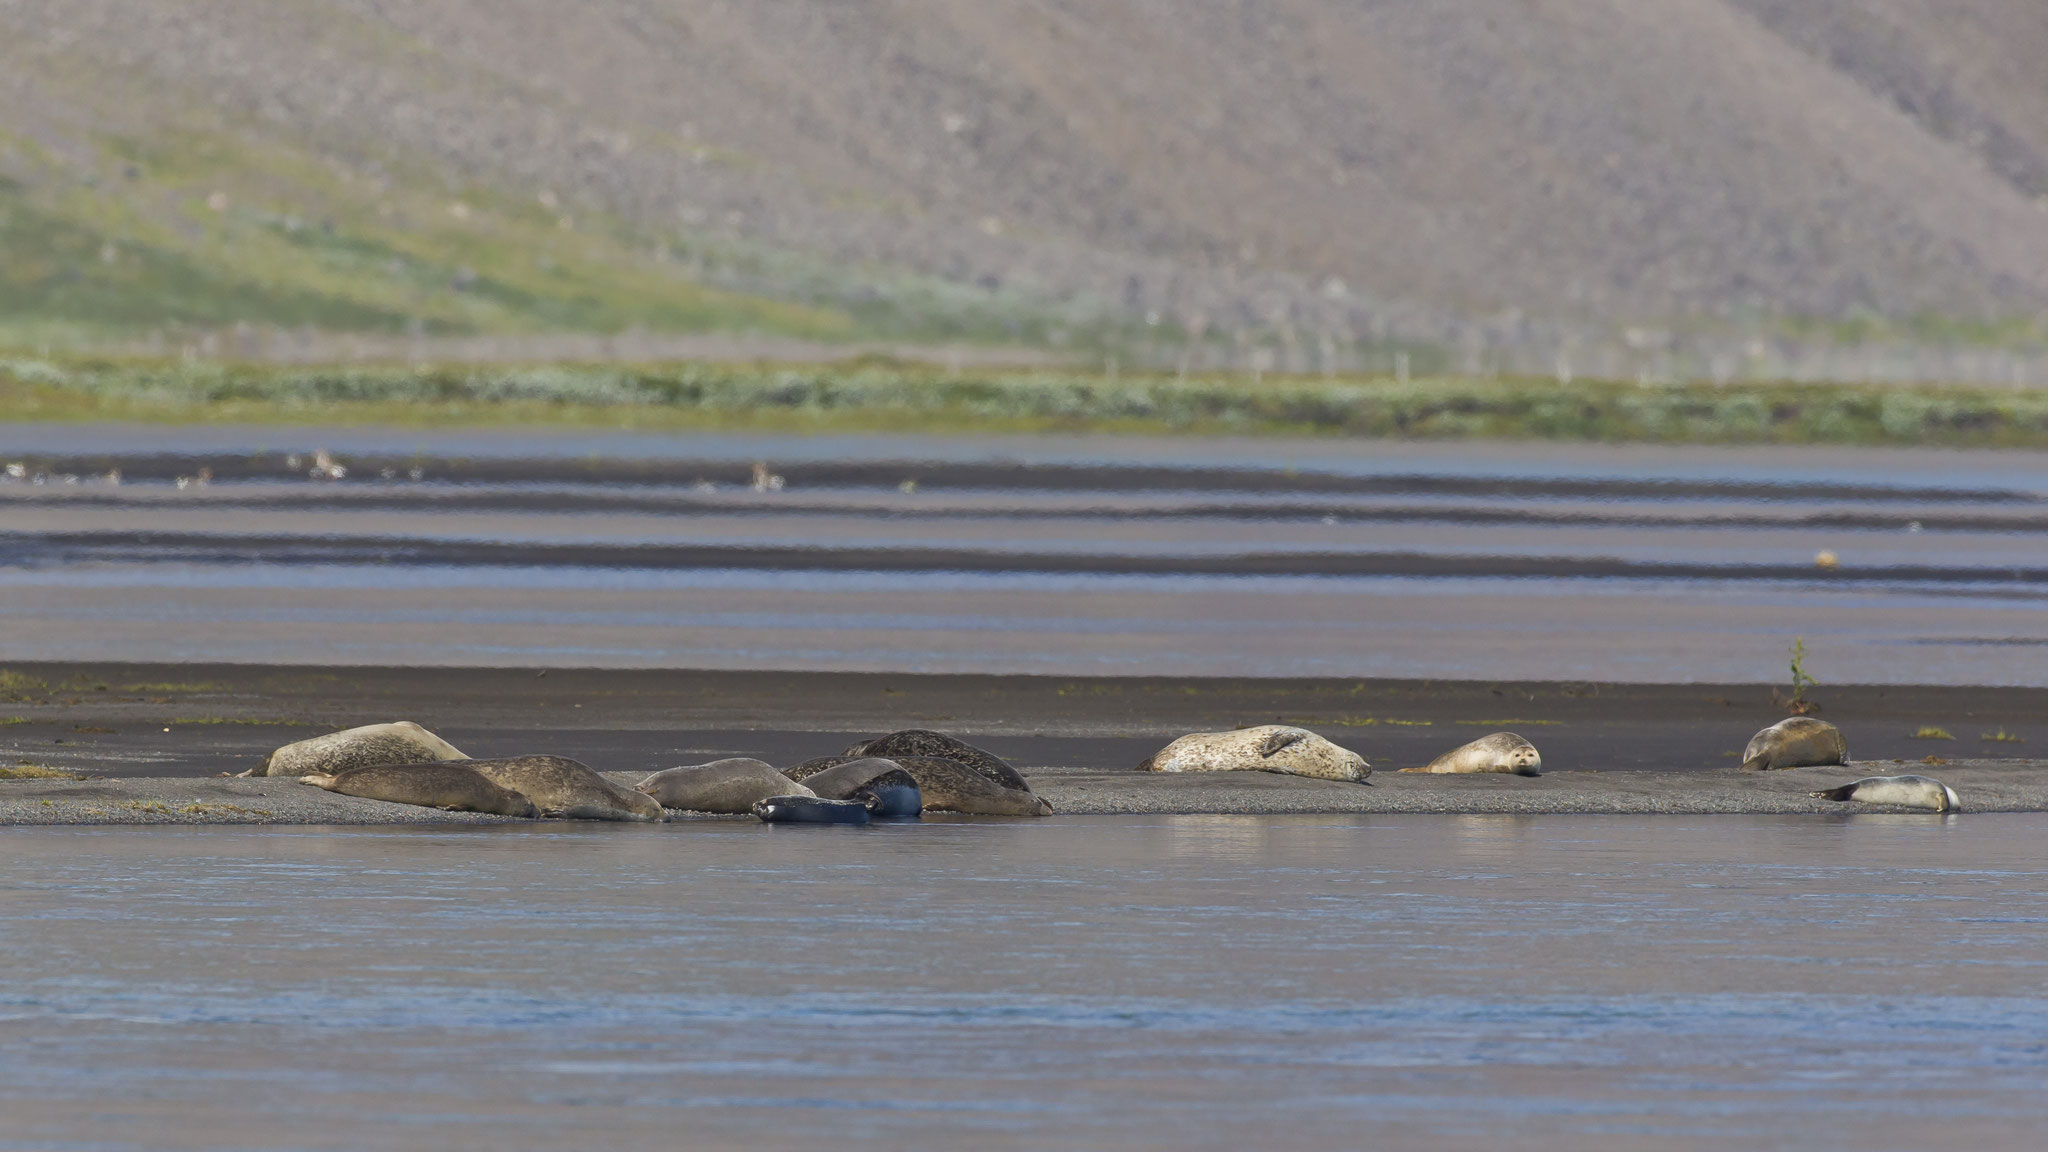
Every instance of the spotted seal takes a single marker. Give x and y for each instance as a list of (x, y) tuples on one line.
[(568, 789), (943, 785), (924, 742), (1502, 752), (1897, 792), (1795, 742), (810, 810), (1266, 748), (728, 786), (894, 795), (451, 787), (371, 745)]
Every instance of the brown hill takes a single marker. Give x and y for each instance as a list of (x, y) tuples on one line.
[(1364, 165)]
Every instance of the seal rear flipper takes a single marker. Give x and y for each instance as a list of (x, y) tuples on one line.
[(318, 781), (1843, 793), (1279, 741)]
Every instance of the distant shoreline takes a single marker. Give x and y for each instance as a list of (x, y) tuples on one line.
[(887, 394)]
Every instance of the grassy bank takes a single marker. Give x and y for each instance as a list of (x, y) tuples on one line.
[(894, 396)]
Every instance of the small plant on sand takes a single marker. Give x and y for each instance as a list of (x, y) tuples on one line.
[(1930, 732), (2001, 737), (15, 686), (1797, 703), (24, 770), (1934, 760)]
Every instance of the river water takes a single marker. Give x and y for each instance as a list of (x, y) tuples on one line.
[(1047, 555), (1161, 982)]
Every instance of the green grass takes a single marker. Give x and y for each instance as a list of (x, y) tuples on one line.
[(1930, 732), (24, 770), (881, 394)]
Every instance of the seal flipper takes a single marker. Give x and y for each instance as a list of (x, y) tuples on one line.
[(1280, 740), (1843, 793)]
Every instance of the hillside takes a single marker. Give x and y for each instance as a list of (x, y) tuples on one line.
[(1016, 170)]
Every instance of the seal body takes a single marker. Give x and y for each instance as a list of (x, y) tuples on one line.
[(1897, 792), (1502, 752), (923, 742), (566, 788), (810, 810), (802, 773), (893, 795), (451, 787), (728, 786), (1266, 748), (1795, 742), (367, 747), (943, 786)]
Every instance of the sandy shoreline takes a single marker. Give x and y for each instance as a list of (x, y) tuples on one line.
[(1985, 786), (153, 741)]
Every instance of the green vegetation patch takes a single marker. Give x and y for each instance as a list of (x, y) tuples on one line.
[(24, 770), (885, 394)]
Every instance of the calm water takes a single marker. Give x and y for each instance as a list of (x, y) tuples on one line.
[(1478, 982), (1049, 555)]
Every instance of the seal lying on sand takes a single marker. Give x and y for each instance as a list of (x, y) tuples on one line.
[(373, 744), (1266, 748), (1898, 792), (810, 810), (1796, 742), (943, 785), (729, 786), (449, 787), (923, 742), (893, 795), (1502, 752), (566, 788)]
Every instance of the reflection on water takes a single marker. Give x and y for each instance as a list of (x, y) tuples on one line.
[(1156, 982)]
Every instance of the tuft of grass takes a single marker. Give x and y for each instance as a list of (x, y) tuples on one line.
[(2001, 737), (250, 722), (17, 686), (203, 809), (173, 686), (24, 770), (1509, 723), (1930, 732), (11, 721), (1933, 760)]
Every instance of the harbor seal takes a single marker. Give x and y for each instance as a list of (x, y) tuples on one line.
[(1502, 752), (943, 786), (893, 795), (802, 773), (728, 786), (1266, 748), (450, 787), (567, 789), (810, 810), (924, 742), (1897, 792), (1795, 742), (369, 746)]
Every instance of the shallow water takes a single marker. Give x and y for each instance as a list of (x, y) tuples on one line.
[(1080, 555), (1162, 982)]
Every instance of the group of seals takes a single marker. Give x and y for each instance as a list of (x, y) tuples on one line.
[(1797, 742), (1804, 742), (403, 763)]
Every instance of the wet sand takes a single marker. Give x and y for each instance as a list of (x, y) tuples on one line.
[(156, 740)]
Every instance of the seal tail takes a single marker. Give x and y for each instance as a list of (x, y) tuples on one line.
[(1842, 793), (318, 781)]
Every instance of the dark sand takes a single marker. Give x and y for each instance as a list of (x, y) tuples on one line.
[(1608, 748)]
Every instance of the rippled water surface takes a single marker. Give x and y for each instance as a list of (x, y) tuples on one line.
[(1159, 982), (1080, 555)]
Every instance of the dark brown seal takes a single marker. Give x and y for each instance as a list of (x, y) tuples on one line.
[(451, 787), (924, 742)]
